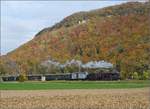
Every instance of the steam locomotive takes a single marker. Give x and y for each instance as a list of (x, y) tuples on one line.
[(99, 75)]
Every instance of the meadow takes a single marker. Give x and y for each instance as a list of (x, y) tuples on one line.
[(30, 85)]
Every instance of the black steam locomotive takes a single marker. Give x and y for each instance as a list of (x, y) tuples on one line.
[(98, 75)]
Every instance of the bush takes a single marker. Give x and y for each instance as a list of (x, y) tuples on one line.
[(135, 75), (146, 75), (22, 78)]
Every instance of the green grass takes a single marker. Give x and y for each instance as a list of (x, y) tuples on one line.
[(73, 85)]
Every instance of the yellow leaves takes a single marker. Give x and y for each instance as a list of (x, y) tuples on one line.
[(125, 38)]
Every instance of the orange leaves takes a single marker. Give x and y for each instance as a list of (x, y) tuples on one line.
[(111, 34)]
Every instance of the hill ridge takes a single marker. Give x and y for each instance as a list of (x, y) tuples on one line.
[(122, 38)]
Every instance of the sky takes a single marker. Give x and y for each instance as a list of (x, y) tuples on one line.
[(21, 20)]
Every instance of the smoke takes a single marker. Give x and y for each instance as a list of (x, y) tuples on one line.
[(73, 62)]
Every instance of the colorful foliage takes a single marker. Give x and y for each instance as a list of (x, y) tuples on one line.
[(118, 34)]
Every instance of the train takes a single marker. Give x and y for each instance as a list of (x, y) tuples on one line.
[(113, 75)]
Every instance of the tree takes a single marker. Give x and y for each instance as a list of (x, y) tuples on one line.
[(146, 75), (22, 77), (135, 75), (120, 48), (42, 69), (2, 69)]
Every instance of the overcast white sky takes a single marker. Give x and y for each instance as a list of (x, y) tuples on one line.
[(20, 21)]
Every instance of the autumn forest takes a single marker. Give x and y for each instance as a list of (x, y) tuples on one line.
[(117, 34)]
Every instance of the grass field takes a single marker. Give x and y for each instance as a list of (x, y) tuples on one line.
[(73, 85)]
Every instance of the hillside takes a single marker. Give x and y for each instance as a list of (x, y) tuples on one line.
[(118, 34), (125, 9)]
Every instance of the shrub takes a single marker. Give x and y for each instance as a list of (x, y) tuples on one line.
[(146, 75), (135, 75), (22, 78)]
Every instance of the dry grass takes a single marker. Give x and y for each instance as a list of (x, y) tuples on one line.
[(76, 99)]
